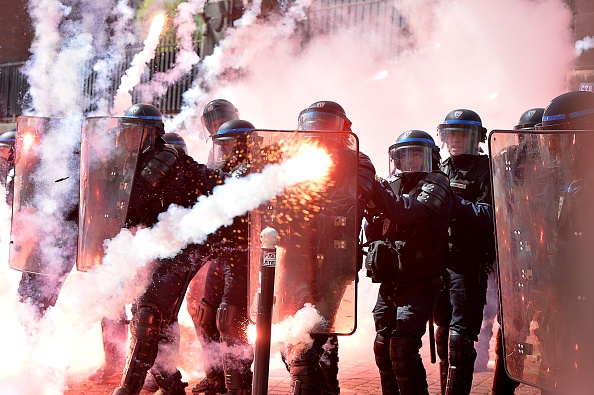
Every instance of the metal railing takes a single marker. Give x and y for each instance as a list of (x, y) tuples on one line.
[(377, 17)]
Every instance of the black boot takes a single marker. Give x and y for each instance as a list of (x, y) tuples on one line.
[(170, 384), (462, 357), (329, 364), (502, 383), (212, 384), (381, 350), (146, 332), (408, 366)]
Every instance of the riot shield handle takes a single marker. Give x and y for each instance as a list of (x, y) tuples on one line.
[(269, 238)]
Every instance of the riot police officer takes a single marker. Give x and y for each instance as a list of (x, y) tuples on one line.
[(216, 113), (222, 313), (314, 370), (523, 155), (177, 141), (41, 290), (162, 177), (408, 219), (471, 246), (565, 322)]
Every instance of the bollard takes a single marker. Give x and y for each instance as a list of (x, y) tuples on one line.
[(269, 238)]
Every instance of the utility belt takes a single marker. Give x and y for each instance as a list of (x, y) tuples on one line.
[(385, 263), (469, 262)]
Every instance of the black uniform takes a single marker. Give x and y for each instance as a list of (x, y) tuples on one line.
[(163, 177), (407, 230), (222, 313), (470, 259)]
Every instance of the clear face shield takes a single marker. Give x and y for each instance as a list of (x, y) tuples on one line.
[(556, 149), (410, 158), (214, 118), (459, 140), (229, 150), (318, 120), (134, 136)]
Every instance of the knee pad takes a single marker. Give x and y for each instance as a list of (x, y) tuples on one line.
[(146, 323), (206, 319), (306, 378), (381, 349), (442, 335), (230, 320), (461, 349), (404, 354)]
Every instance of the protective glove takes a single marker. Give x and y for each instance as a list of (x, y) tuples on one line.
[(366, 175)]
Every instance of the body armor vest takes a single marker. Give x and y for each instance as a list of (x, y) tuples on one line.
[(469, 249), (465, 182), (418, 246)]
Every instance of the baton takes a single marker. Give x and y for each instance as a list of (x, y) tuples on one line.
[(432, 340)]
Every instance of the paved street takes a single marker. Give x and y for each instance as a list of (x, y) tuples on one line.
[(358, 375)]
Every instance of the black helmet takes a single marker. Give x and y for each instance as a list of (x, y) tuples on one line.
[(569, 111), (152, 125), (529, 119), (324, 115), (149, 114), (216, 113), (414, 151), (177, 141), (231, 142), (463, 121)]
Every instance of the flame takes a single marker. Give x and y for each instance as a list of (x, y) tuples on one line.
[(308, 162), (28, 139), (252, 333), (156, 27)]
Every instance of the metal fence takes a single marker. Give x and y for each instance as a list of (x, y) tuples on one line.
[(377, 17)]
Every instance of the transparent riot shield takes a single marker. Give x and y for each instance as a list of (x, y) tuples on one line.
[(543, 189), (43, 228), (318, 228), (109, 154)]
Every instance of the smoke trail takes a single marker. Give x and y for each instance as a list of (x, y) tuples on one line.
[(185, 58), (112, 55), (123, 98), (46, 17)]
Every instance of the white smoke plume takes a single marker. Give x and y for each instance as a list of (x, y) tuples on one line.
[(230, 55), (185, 58), (111, 54), (583, 45), (123, 97), (458, 55)]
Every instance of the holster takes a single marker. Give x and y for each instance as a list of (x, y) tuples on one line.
[(382, 262)]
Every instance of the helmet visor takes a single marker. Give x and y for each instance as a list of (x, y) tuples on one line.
[(459, 140), (318, 120), (133, 135), (213, 119), (410, 158), (556, 149), (228, 151)]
